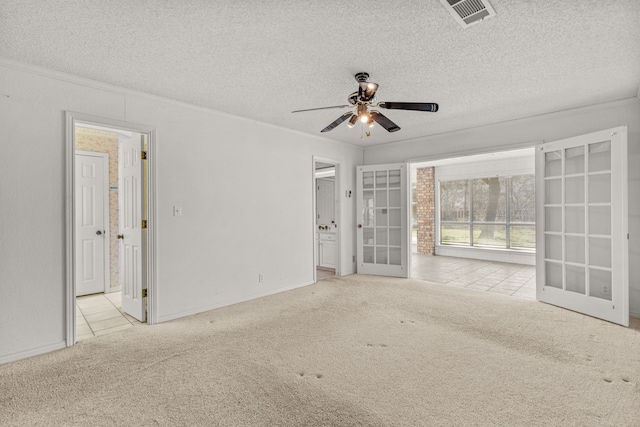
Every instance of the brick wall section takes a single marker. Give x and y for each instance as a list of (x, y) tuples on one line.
[(426, 210)]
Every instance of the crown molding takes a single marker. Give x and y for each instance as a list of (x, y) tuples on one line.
[(559, 113), (107, 87)]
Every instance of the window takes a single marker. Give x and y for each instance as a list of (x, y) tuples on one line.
[(492, 212)]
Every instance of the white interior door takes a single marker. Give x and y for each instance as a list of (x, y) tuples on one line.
[(91, 222), (382, 220), (582, 240), (325, 202), (131, 233)]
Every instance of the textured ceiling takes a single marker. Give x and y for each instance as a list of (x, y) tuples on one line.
[(263, 59)]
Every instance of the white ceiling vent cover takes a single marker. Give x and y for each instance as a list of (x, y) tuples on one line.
[(469, 12)]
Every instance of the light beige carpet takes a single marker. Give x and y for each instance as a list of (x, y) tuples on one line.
[(353, 351)]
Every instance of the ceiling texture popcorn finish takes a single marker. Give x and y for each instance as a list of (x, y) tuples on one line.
[(262, 60)]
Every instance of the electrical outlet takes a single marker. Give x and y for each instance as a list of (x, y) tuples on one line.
[(177, 211), (260, 277)]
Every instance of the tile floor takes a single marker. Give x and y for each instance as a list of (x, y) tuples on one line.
[(509, 279), (323, 273), (100, 314)]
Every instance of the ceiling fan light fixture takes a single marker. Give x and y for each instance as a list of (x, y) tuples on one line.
[(365, 98)]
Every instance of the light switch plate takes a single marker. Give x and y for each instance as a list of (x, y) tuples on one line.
[(177, 211)]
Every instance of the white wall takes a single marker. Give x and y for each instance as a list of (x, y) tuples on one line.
[(487, 168), (535, 130), (245, 190)]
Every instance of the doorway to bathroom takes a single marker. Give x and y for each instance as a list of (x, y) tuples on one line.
[(326, 210), (108, 239)]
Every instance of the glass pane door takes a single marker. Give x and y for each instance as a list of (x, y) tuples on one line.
[(583, 211), (382, 224)]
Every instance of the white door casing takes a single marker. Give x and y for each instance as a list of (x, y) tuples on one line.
[(382, 227), (131, 232), (91, 222), (149, 264), (582, 233), (337, 209)]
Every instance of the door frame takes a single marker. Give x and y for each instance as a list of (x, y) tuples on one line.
[(72, 119), (106, 241), (337, 213)]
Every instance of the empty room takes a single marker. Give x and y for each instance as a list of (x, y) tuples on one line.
[(319, 214)]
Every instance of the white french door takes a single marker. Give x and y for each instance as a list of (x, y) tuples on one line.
[(91, 222), (131, 232), (582, 240), (382, 220)]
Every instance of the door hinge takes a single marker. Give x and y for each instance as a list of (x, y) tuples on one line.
[(143, 155), (144, 223), (144, 293)]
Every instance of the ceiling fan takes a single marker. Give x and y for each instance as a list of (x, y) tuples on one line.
[(363, 99)]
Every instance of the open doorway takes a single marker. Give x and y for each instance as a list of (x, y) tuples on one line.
[(108, 239), (473, 222), (326, 213)]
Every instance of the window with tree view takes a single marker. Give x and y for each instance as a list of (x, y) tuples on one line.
[(493, 212)]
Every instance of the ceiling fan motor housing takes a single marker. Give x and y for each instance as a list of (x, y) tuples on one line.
[(362, 77)]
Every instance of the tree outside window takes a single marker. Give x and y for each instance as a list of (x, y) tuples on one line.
[(492, 212)]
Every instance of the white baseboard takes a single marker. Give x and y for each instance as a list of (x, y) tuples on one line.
[(33, 352), (634, 313), (500, 255), (173, 316)]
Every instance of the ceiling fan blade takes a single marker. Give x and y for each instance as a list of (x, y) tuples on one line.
[(322, 108), (384, 121), (367, 91), (336, 122), (416, 106)]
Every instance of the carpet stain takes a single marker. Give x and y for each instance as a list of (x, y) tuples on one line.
[(625, 379), (607, 379), (319, 376), (379, 345)]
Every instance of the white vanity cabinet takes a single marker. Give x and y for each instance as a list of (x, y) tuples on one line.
[(327, 250)]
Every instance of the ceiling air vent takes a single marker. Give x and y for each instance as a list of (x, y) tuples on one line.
[(469, 12)]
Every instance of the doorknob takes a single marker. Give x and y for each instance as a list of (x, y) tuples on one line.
[(121, 236), (98, 232), (359, 225)]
